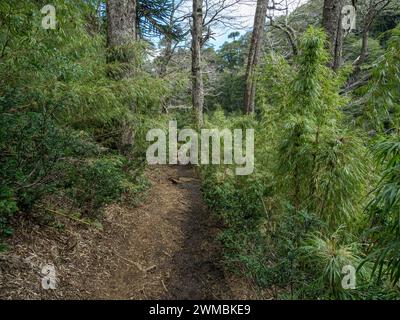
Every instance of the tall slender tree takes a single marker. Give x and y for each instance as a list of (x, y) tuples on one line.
[(372, 10), (254, 55), (197, 76), (121, 33), (331, 21)]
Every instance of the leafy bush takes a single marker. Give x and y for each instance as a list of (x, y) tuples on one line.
[(378, 109), (318, 187), (97, 183), (384, 210), (324, 259), (62, 117)]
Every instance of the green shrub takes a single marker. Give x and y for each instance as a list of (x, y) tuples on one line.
[(61, 116), (94, 183), (310, 176)]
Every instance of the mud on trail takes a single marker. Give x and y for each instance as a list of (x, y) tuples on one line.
[(166, 248)]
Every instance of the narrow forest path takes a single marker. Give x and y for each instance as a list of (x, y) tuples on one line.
[(171, 251), (165, 248)]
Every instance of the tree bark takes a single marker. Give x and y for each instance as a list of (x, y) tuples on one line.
[(121, 19), (332, 23), (364, 47), (197, 76), (166, 58), (121, 33), (254, 55)]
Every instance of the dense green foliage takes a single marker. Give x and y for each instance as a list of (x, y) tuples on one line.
[(325, 192), (61, 115), (301, 217)]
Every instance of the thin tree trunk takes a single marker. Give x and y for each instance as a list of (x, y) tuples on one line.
[(364, 47), (166, 58), (197, 77), (168, 52), (338, 60), (374, 9), (254, 55), (121, 33), (332, 23)]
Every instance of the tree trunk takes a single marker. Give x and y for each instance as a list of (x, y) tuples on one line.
[(364, 47), (168, 51), (374, 9), (166, 58), (254, 55), (121, 33), (121, 18), (332, 23), (197, 77)]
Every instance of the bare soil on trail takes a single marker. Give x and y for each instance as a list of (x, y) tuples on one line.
[(165, 248)]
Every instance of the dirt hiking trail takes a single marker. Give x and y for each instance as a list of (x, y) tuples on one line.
[(165, 248), (172, 243)]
